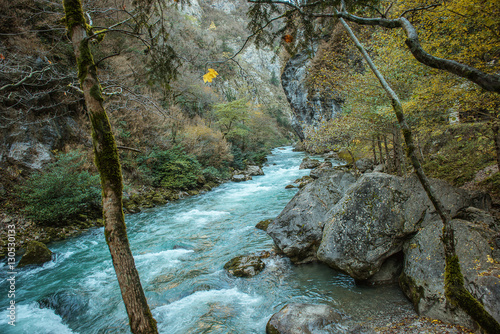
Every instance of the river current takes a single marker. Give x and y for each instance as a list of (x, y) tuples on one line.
[(180, 250)]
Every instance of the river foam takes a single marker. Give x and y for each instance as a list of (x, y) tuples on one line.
[(31, 319)]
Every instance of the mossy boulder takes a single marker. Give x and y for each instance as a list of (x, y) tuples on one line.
[(423, 276), (245, 266), (378, 214), (36, 253), (263, 224)]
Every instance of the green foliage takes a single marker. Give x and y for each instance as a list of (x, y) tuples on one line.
[(173, 169), (61, 192), (456, 153), (238, 158), (231, 117), (213, 174)]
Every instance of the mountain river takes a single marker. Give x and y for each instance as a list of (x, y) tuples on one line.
[(180, 250)]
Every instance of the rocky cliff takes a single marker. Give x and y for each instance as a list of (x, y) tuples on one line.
[(308, 105)]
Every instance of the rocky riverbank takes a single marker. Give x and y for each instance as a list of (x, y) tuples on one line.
[(381, 228)]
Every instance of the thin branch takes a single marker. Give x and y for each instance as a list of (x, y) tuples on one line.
[(104, 58), (24, 79), (420, 8), (128, 148)]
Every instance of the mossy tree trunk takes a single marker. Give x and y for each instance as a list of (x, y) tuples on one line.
[(108, 164), (455, 290)]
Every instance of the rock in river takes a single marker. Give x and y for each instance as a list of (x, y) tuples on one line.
[(298, 229), (303, 318), (36, 253), (245, 266)]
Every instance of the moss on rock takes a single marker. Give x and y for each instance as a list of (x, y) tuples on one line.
[(245, 266), (264, 224), (36, 253)]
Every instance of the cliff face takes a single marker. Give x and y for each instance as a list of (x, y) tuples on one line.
[(309, 107)]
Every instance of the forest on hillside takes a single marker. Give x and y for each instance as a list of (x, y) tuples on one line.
[(174, 131)]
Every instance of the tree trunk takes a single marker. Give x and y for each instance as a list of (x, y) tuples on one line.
[(388, 155), (396, 139), (374, 150), (379, 143), (455, 291), (108, 164)]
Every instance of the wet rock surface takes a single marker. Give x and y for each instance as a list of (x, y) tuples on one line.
[(303, 318), (380, 225), (297, 231), (245, 266)]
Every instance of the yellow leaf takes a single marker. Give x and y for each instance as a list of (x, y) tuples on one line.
[(212, 74)]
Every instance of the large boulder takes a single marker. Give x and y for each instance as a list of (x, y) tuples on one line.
[(377, 215), (366, 227), (364, 164), (36, 253), (303, 318), (422, 279), (298, 229)]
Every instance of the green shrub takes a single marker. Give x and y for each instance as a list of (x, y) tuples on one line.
[(173, 169), (213, 174), (62, 192)]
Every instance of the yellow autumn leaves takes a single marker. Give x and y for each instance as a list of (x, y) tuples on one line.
[(212, 74)]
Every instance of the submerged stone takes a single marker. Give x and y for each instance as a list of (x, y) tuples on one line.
[(67, 304)]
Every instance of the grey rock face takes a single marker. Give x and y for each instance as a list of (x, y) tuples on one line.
[(365, 227), (364, 164), (297, 230), (377, 215), (303, 318), (423, 276), (32, 144), (308, 163), (308, 107)]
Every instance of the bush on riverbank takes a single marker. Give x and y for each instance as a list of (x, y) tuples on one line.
[(62, 192)]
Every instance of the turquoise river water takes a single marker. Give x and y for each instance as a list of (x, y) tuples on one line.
[(180, 250)]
